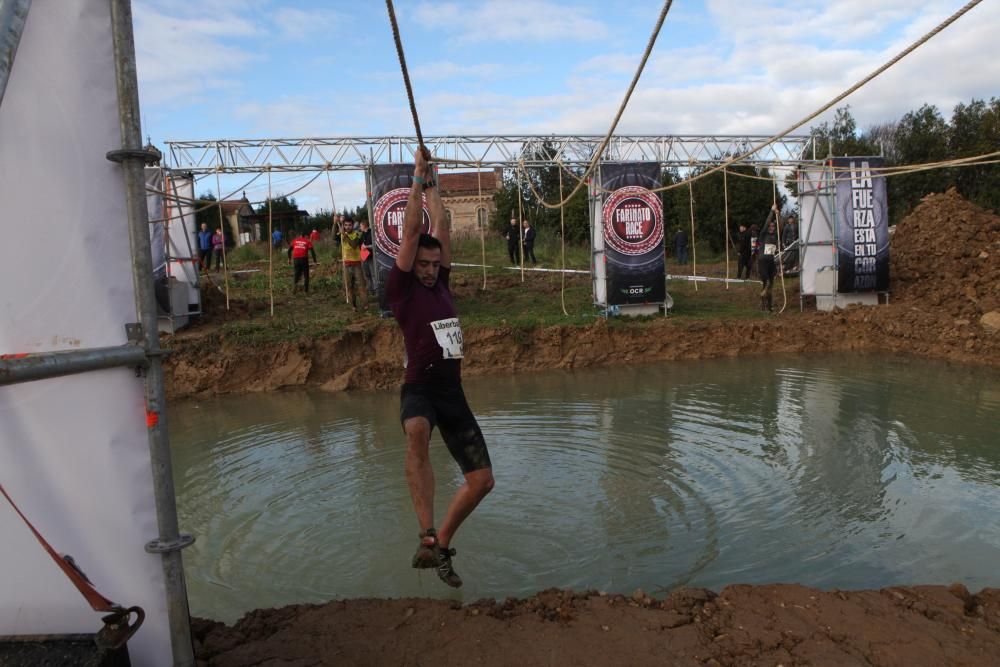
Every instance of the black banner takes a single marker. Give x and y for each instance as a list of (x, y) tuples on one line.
[(862, 225), (391, 185), (633, 233)]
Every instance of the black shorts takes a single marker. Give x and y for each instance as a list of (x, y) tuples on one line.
[(446, 408)]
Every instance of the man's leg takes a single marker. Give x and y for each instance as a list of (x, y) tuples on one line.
[(478, 483), (419, 474), (305, 276)]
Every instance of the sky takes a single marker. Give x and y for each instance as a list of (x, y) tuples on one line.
[(237, 69)]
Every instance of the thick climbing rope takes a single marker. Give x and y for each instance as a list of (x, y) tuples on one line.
[(222, 226), (779, 258), (739, 158), (334, 230), (829, 105), (725, 193), (694, 251), (406, 73), (270, 243), (520, 228), (562, 238)]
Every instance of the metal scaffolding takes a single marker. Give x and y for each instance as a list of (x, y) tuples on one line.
[(143, 349), (352, 153)]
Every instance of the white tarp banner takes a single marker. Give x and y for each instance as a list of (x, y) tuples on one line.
[(182, 233), (73, 451), (816, 249)]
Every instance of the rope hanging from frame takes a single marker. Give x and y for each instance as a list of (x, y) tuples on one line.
[(334, 230), (694, 251), (481, 221), (270, 244), (222, 228), (406, 73), (725, 192)]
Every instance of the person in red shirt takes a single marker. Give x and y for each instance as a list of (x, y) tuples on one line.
[(418, 294), (314, 236), (298, 254)]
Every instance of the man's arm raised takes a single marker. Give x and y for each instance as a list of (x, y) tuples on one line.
[(439, 222), (414, 215)]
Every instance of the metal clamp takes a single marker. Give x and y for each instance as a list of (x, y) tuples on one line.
[(117, 630), (159, 546), (123, 154), (133, 332)]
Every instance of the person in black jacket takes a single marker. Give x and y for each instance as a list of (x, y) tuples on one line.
[(744, 253), (513, 236), (767, 266), (529, 243)]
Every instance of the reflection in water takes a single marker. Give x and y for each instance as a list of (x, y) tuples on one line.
[(829, 471)]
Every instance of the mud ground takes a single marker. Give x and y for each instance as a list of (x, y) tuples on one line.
[(743, 625), (945, 304)]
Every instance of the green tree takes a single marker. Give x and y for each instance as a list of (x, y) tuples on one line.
[(975, 130), (921, 136)]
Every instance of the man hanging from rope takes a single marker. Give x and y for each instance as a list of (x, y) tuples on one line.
[(768, 242), (420, 299)]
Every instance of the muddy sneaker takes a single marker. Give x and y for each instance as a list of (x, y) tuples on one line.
[(426, 556), (445, 570)]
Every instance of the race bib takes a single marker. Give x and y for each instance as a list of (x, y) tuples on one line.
[(449, 336), (770, 248)]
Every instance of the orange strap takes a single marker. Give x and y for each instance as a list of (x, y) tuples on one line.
[(97, 601)]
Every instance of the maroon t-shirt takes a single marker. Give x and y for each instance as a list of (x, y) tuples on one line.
[(430, 327)]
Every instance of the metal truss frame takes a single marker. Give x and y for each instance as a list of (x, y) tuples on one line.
[(235, 156)]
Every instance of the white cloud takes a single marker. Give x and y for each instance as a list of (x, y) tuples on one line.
[(442, 70), (293, 23), (181, 60), (511, 20)]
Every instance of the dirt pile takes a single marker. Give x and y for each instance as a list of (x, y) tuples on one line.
[(946, 256), (742, 625)]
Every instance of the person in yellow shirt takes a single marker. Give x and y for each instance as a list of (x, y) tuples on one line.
[(350, 253)]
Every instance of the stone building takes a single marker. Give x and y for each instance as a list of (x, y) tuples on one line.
[(460, 193)]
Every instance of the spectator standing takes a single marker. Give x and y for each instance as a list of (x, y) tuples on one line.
[(744, 253), (314, 235), (205, 247), (350, 253), (681, 246), (276, 238), (513, 241), (218, 240), (298, 254), (768, 242), (789, 235), (529, 242), (754, 249), (367, 257)]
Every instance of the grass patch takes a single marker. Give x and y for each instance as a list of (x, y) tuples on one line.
[(506, 301)]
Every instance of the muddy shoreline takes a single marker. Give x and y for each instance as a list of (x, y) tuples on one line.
[(775, 624)]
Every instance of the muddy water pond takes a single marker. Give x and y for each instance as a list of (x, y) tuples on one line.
[(831, 471)]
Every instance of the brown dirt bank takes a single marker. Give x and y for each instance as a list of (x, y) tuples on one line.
[(742, 625), (370, 357)]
